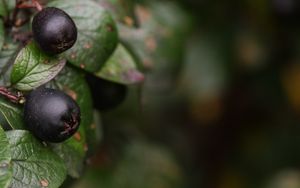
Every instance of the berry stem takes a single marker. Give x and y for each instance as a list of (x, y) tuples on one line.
[(37, 5), (15, 98), (34, 4)]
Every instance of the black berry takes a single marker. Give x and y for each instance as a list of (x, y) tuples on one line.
[(106, 94), (54, 30), (51, 115)]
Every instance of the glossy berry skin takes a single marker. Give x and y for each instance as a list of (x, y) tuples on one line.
[(51, 115), (106, 94), (54, 30)]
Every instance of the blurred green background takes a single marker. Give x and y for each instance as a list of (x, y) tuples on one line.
[(220, 106)]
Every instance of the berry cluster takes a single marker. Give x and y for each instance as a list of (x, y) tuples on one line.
[(50, 114)]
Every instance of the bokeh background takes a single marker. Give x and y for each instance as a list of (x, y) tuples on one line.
[(220, 106)]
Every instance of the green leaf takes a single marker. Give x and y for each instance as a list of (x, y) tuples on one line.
[(121, 68), (1, 32), (155, 166), (97, 33), (12, 114), (74, 150), (161, 37), (10, 5), (2, 8), (34, 165), (73, 154), (6, 6), (94, 132), (72, 81), (34, 68), (9, 50), (5, 159), (122, 11)]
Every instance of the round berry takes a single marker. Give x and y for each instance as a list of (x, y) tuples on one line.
[(54, 30), (106, 94), (51, 115)]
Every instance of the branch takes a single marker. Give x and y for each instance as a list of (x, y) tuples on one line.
[(15, 98)]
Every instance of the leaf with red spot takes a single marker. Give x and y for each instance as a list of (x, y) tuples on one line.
[(122, 11), (33, 163), (97, 33), (73, 151)]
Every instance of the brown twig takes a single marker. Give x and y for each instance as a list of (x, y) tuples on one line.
[(34, 4), (15, 98), (37, 5)]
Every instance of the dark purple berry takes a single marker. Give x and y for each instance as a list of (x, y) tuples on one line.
[(54, 30), (106, 94), (51, 115)]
